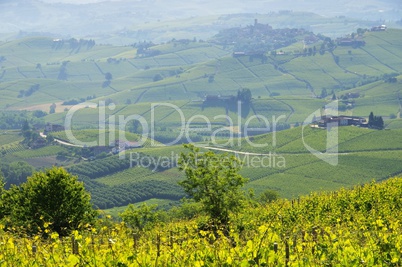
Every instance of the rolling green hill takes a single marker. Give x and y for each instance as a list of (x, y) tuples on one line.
[(184, 86), (288, 167), (283, 164), (185, 68), (166, 85)]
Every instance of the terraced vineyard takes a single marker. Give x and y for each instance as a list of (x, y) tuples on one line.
[(40, 152), (394, 124), (12, 147), (107, 138), (10, 141), (290, 169), (8, 137), (139, 174), (167, 86), (342, 227), (133, 76), (338, 204), (293, 75)]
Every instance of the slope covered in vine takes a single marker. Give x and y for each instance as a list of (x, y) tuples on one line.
[(354, 227)]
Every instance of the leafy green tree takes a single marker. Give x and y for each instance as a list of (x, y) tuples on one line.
[(28, 133), (39, 114), (49, 138), (375, 121), (106, 83), (157, 77), (63, 72), (380, 122), (322, 49), (25, 126), (140, 218), (52, 108), (135, 126), (268, 196), (187, 210), (324, 93), (53, 199), (2, 183), (108, 76), (2, 190), (17, 173), (244, 95), (371, 119), (336, 58), (213, 180), (361, 31)]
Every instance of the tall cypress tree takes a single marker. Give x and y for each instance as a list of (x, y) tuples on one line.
[(371, 119), (375, 121)]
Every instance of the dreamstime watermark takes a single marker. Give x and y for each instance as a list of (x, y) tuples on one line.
[(115, 127)]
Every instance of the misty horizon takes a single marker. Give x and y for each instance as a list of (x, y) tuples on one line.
[(100, 18)]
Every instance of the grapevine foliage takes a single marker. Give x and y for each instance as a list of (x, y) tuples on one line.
[(358, 227)]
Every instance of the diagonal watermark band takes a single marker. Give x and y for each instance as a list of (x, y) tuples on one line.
[(331, 154)]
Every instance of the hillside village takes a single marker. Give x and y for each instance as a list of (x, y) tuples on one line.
[(328, 120), (258, 39)]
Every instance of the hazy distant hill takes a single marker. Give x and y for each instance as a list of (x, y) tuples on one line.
[(185, 65), (79, 20)]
